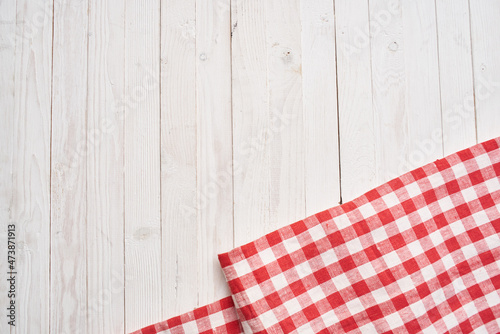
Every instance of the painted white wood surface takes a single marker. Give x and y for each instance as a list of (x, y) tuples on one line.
[(105, 163), (355, 107), (31, 165), (68, 198), (486, 66), (455, 68), (214, 145), (142, 177), (178, 157), (141, 138), (7, 96)]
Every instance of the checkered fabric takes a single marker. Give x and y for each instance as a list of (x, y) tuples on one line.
[(217, 318), (419, 253)]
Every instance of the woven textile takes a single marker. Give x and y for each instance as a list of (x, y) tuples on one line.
[(218, 317), (418, 253)]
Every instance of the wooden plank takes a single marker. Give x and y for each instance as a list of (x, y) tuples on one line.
[(214, 144), (423, 100), (7, 101), (30, 206), (405, 81), (251, 119), (68, 293), (287, 149), (485, 54), (319, 82), (388, 84), (269, 149), (356, 117), (105, 211), (456, 79), (142, 165), (178, 157)]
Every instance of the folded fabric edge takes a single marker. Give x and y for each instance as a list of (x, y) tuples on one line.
[(243, 254), (218, 317), (225, 317), (245, 251)]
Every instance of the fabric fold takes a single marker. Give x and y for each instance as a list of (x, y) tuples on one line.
[(418, 253), (218, 317)]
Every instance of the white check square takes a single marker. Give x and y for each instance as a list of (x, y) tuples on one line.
[(483, 161), (438, 296), (342, 221), (317, 232), (394, 320), (403, 224), (480, 218), (254, 293), (279, 281), (459, 170), (267, 256), (379, 235), (446, 204), (341, 282), (329, 257), (415, 248), (242, 268), (436, 180), (492, 184), (390, 199), (381, 295), (354, 246), (469, 194), (413, 189), (367, 210), (329, 318), (428, 272), (316, 293), (216, 319), (366, 270), (436, 238), (268, 319), (392, 259), (293, 306), (450, 320), (303, 269), (480, 274), (405, 284), (292, 245), (354, 306), (424, 213)]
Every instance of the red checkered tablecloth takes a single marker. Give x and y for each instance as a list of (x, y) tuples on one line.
[(417, 254)]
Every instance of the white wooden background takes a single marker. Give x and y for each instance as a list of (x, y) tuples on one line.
[(140, 138)]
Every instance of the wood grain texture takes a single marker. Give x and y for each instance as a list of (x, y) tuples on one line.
[(388, 84), (142, 164), (178, 157), (486, 67), (214, 144), (422, 90), (105, 145), (68, 271), (268, 124), (405, 80), (456, 79), (141, 138), (287, 148), (30, 206), (356, 116), (7, 96), (320, 119), (251, 119)]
